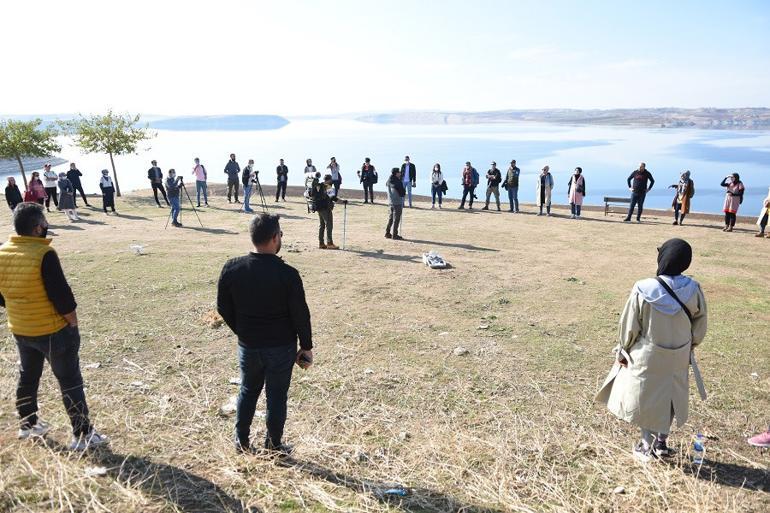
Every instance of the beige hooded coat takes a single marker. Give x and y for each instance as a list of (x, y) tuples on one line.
[(656, 338)]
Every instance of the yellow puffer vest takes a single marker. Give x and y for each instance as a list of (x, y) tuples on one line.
[(30, 312)]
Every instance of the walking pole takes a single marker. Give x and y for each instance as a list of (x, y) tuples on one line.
[(344, 222)]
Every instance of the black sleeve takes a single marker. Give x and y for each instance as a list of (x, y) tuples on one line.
[(225, 305), (724, 182), (652, 180), (299, 311), (56, 286), (630, 177)]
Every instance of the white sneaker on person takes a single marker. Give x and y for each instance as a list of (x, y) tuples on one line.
[(39, 430), (88, 441), (643, 454)]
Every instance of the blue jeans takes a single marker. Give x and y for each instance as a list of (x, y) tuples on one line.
[(201, 185), (435, 190), (61, 350), (246, 198), (513, 198), (637, 198), (175, 208), (468, 192), (408, 187), (269, 368), (336, 184)]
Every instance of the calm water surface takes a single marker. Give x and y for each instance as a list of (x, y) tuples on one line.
[(606, 154)]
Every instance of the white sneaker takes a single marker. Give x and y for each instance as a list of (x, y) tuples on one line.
[(39, 430), (572, 216), (641, 454), (88, 441)]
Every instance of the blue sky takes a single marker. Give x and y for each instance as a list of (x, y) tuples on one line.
[(327, 57)]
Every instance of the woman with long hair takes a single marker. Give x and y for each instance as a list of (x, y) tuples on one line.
[(436, 185)]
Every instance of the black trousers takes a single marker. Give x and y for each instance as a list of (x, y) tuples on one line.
[(61, 350), (280, 190), (159, 187), (368, 192), (763, 223), (51, 192), (677, 216), (79, 187), (730, 219), (108, 198), (232, 189)]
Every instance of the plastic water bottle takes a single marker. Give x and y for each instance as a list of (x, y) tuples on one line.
[(698, 449)]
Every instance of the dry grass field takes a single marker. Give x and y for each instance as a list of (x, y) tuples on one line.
[(470, 387)]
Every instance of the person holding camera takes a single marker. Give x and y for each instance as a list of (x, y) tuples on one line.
[(334, 170), (267, 324), (323, 203), (173, 185), (409, 177), (493, 185), (396, 194), (247, 177), (368, 177)]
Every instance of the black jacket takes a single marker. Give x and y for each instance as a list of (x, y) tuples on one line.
[(282, 171), (412, 171), (73, 175), (154, 173), (13, 196), (639, 180), (233, 170), (494, 178), (262, 299), (246, 176)]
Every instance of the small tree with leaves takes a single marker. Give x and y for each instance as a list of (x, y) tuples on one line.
[(113, 134), (21, 139)]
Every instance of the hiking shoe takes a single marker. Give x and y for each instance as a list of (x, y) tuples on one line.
[(759, 235), (388, 236), (760, 440), (461, 207), (675, 223), (729, 229), (280, 450), (90, 440), (39, 430), (398, 237), (331, 245), (484, 208), (322, 246), (660, 449), (641, 454)]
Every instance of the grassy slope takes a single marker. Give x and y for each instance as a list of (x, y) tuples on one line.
[(511, 426)]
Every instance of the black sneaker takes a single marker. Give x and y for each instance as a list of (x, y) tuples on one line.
[(388, 236), (281, 450), (398, 237), (661, 450)]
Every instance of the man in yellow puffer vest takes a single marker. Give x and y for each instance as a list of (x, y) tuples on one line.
[(43, 319)]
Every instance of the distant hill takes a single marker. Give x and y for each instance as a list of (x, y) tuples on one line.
[(238, 122), (740, 118)]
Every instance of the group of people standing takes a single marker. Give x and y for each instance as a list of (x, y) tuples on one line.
[(61, 188)]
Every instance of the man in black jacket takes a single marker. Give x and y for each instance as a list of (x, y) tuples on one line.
[(155, 176), (73, 175), (323, 204), (262, 300), (282, 177), (637, 184), (493, 185), (233, 172)]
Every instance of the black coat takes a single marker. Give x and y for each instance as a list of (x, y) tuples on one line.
[(13, 196), (412, 171)]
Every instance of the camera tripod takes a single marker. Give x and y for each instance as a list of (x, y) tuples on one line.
[(184, 189), (255, 183)]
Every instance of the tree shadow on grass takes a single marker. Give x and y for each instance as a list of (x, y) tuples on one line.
[(380, 254), (189, 493), (416, 499), (730, 474), (469, 247)]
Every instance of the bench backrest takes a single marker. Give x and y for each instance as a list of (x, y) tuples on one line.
[(609, 199)]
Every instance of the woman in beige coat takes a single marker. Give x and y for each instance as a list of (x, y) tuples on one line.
[(648, 385)]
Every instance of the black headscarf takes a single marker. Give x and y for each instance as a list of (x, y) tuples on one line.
[(674, 257)]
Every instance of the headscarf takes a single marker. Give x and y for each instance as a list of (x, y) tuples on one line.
[(683, 183), (674, 257)]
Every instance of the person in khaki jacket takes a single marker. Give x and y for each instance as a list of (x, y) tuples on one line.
[(648, 385)]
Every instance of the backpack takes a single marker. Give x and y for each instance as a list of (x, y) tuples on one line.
[(475, 177), (374, 177)]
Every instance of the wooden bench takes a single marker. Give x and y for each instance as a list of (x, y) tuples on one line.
[(608, 200)]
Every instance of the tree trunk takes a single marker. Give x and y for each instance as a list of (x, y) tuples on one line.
[(115, 174), (23, 174)]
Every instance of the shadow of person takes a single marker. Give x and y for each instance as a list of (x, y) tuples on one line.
[(470, 247), (188, 492), (381, 255), (730, 474), (131, 218), (215, 231), (415, 499)]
